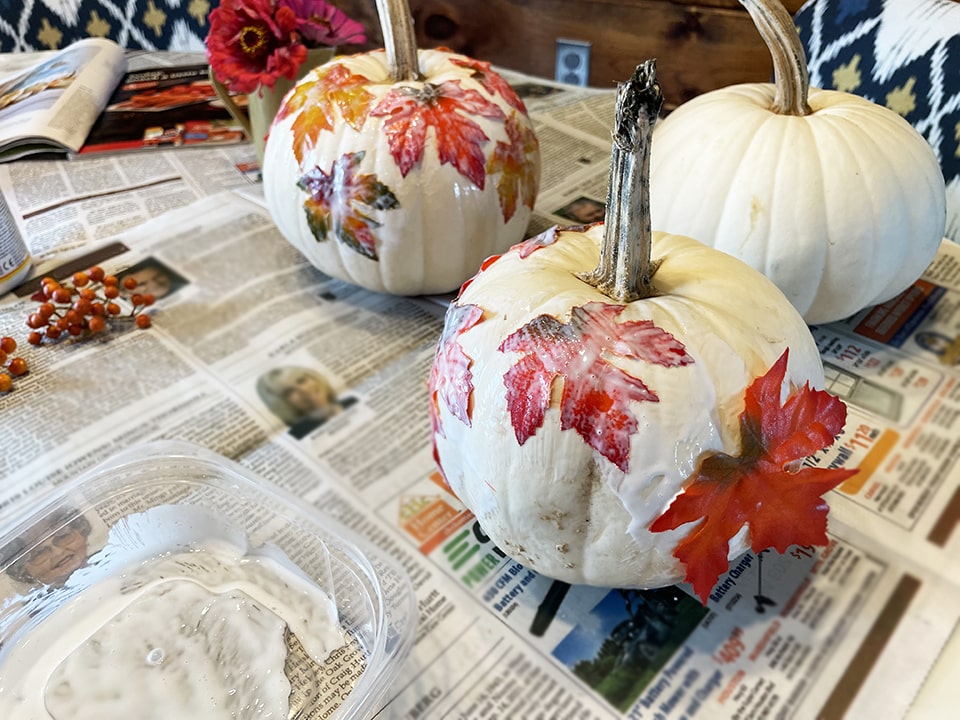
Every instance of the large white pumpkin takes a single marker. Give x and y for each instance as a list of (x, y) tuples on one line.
[(402, 186), (836, 199), (579, 387)]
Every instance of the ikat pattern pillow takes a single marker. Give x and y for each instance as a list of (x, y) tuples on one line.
[(904, 54), (134, 24)]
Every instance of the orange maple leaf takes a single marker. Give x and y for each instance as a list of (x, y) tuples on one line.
[(517, 178), (763, 486), (334, 87)]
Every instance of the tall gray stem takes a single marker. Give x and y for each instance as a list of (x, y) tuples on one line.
[(625, 270)]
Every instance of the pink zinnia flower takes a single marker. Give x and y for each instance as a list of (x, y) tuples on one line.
[(320, 23), (252, 43)]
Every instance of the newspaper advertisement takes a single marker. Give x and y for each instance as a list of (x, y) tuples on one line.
[(864, 627), (51, 105)]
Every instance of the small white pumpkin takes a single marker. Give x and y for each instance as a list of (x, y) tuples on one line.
[(838, 200), (401, 171), (570, 408)]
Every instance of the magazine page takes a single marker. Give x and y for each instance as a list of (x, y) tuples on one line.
[(52, 105), (160, 107)]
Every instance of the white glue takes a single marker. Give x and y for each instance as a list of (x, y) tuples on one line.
[(14, 256), (192, 633)]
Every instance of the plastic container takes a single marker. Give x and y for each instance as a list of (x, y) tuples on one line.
[(160, 506)]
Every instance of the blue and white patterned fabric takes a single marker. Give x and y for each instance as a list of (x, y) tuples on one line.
[(904, 54), (133, 24)]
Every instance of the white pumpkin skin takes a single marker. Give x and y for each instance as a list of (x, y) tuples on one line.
[(554, 503), (445, 224), (843, 208)]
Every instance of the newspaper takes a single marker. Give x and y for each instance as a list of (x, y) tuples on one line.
[(865, 627), (51, 105)]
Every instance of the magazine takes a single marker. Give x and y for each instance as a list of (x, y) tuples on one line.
[(83, 99), (164, 107), (51, 105)]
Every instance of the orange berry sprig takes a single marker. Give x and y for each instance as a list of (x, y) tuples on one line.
[(10, 367), (83, 306)]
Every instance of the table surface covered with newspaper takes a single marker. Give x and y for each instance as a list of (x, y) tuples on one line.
[(865, 627)]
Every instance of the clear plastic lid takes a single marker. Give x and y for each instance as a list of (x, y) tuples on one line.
[(172, 580)]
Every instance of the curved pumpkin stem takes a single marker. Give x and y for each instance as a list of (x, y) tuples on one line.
[(625, 271), (790, 75), (399, 40)]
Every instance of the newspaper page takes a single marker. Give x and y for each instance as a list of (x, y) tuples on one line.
[(865, 627), (850, 630), (51, 105)]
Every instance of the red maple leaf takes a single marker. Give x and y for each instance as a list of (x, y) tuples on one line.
[(491, 81), (596, 394), (451, 381), (518, 179), (333, 87), (337, 200), (410, 111), (763, 486)]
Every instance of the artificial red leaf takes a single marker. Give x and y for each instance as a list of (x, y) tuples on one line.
[(491, 81), (333, 87), (517, 178), (764, 486), (410, 111), (337, 200), (596, 395)]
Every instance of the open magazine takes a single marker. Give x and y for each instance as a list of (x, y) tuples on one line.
[(51, 106), (83, 100)]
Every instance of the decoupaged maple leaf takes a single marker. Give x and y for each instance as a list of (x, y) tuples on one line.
[(334, 87), (451, 381), (764, 486), (596, 394), (491, 81), (447, 108), (517, 179), (337, 200)]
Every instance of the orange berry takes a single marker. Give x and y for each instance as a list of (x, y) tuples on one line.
[(110, 292), (8, 344), (96, 273), (36, 320), (34, 338), (110, 280), (53, 332), (46, 310), (130, 283), (61, 295), (88, 293), (149, 299), (143, 321), (80, 279), (74, 329), (17, 366), (5, 383), (136, 299), (96, 324), (113, 308), (97, 308), (3, 358)]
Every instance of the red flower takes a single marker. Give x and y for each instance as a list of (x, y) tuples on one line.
[(252, 43), (320, 23)]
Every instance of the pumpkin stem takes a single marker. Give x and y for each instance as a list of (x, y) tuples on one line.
[(399, 40), (790, 75), (625, 270)]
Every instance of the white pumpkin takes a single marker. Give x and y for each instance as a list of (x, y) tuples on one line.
[(574, 495), (402, 174), (836, 199)]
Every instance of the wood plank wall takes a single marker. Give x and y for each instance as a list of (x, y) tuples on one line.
[(699, 46)]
